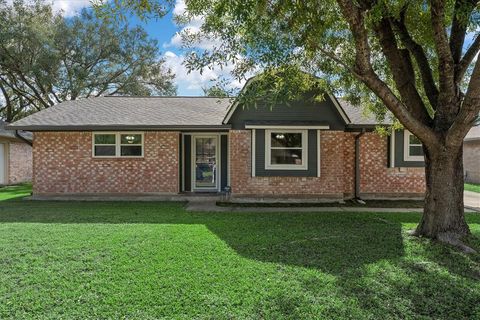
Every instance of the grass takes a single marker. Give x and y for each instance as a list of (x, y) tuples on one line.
[(16, 191), (472, 187), (155, 260)]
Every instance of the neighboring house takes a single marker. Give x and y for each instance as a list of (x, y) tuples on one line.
[(169, 145), (15, 156), (471, 155)]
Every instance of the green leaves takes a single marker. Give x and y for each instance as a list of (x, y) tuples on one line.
[(46, 59)]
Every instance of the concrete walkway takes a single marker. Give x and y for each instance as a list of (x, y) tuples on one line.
[(207, 203), (210, 206), (471, 200)]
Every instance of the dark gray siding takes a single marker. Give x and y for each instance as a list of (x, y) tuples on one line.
[(224, 161), (323, 112), (180, 157), (399, 152), (260, 170), (187, 169)]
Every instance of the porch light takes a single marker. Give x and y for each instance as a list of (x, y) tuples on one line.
[(130, 139)]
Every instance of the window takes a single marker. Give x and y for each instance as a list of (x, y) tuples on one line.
[(105, 145), (286, 149), (108, 145), (131, 145), (413, 148)]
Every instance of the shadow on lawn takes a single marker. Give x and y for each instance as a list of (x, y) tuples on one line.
[(364, 251), (332, 242)]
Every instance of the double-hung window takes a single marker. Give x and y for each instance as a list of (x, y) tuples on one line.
[(117, 144), (286, 149), (413, 149)]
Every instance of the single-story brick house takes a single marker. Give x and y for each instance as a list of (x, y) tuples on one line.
[(15, 156), (471, 155), (171, 145)]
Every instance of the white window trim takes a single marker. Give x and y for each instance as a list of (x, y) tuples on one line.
[(218, 154), (406, 148), (268, 160), (117, 144), (253, 146), (319, 164)]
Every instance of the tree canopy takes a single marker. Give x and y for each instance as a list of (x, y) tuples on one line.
[(353, 46), (46, 59), (415, 58)]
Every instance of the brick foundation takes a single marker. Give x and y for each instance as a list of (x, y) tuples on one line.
[(337, 152), (19, 162), (63, 164)]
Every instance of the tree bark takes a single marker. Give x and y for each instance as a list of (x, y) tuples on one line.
[(443, 214)]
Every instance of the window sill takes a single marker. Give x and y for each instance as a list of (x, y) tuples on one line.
[(413, 159), (285, 168), (118, 158)]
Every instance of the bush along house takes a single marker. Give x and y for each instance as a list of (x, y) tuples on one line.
[(171, 145)]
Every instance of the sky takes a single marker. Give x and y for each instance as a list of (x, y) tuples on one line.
[(165, 31)]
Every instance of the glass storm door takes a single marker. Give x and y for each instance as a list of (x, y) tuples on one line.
[(205, 163)]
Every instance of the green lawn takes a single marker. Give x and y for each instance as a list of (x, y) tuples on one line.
[(472, 187), (72, 260), (17, 191)]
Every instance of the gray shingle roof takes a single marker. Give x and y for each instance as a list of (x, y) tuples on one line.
[(129, 112), (10, 134), (473, 134), (115, 113), (356, 114)]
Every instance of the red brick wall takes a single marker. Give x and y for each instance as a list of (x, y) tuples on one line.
[(19, 162), (376, 179), (63, 163), (337, 170)]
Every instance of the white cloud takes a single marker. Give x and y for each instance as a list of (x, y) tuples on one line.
[(70, 7), (191, 83), (191, 28)]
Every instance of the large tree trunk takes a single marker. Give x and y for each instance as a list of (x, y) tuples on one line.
[(443, 215)]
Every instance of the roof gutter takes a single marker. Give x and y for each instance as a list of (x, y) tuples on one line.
[(357, 164), (19, 136), (118, 127)]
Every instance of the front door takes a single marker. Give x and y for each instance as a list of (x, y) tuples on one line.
[(205, 163)]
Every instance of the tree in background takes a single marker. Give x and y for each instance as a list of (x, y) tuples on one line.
[(215, 91), (218, 89), (415, 59), (46, 59)]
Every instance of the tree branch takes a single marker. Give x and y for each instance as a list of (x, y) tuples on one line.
[(469, 110), (467, 59), (401, 67), (8, 102), (462, 11), (446, 64), (420, 57), (365, 73)]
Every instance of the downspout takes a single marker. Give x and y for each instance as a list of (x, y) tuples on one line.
[(23, 138), (357, 164)]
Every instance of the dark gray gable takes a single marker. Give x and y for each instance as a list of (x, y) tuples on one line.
[(295, 113)]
